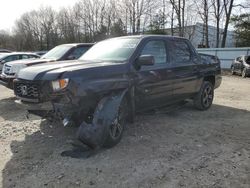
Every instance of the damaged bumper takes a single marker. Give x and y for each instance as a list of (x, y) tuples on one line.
[(46, 106)]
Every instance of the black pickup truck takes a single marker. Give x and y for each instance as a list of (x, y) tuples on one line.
[(117, 78)]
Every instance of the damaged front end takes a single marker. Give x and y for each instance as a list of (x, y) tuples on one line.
[(97, 107), (60, 106)]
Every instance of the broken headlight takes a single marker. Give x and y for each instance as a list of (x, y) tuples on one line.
[(58, 85)]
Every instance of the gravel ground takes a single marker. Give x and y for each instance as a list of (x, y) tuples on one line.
[(183, 148)]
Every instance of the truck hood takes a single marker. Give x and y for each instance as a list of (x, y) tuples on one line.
[(30, 62), (69, 69)]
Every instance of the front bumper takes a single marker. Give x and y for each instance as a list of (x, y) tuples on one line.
[(46, 106), (7, 81)]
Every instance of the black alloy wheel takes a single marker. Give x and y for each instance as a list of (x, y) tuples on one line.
[(204, 99), (117, 127)]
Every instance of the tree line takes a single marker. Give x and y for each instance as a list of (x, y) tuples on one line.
[(94, 20)]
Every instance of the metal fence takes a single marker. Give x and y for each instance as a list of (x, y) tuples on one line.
[(226, 55)]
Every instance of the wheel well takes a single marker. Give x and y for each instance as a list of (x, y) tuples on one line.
[(210, 79)]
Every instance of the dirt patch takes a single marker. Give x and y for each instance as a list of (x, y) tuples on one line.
[(184, 148)]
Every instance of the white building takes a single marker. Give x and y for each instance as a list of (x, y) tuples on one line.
[(195, 33)]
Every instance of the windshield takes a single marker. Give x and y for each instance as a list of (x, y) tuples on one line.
[(57, 52), (117, 49), (247, 59)]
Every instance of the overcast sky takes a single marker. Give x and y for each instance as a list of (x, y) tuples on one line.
[(10, 10)]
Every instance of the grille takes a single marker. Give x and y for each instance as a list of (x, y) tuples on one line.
[(7, 70), (27, 90)]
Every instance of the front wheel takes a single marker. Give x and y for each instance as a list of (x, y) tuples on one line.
[(116, 128), (244, 73), (204, 99), (232, 70)]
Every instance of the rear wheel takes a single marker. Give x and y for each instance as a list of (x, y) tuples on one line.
[(244, 73), (116, 128), (204, 98)]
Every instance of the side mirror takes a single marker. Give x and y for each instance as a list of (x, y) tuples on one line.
[(3, 61), (146, 60)]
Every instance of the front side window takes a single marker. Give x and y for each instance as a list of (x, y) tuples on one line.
[(157, 49), (180, 52), (11, 58), (116, 49), (247, 59), (33, 56)]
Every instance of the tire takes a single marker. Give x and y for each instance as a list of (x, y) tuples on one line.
[(232, 70), (243, 73), (204, 99), (116, 129)]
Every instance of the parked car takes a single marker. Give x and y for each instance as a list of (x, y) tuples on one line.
[(4, 51), (59, 53), (7, 57), (41, 53), (115, 79), (241, 65)]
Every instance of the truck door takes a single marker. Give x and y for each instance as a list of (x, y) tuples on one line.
[(185, 69), (154, 82)]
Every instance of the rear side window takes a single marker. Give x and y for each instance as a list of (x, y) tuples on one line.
[(25, 56), (78, 52), (157, 49), (180, 51), (33, 56)]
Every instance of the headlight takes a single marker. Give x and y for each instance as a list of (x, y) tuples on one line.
[(16, 68), (58, 85)]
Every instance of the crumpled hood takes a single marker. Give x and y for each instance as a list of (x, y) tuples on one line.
[(54, 70)]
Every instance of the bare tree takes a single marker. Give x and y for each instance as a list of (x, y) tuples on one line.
[(218, 9), (179, 8), (5, 39), (203, 10), (139, 11), (228, 6)]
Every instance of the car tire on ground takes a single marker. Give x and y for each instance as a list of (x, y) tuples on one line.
[(117, 127), (204, 99), (232, 70), (243, 73)]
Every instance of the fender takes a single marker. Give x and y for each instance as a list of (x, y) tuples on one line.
[(94, 134)]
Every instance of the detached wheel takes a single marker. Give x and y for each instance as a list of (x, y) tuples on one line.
[(244, 73), (232, 70), (204, 98), (116, 128)]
